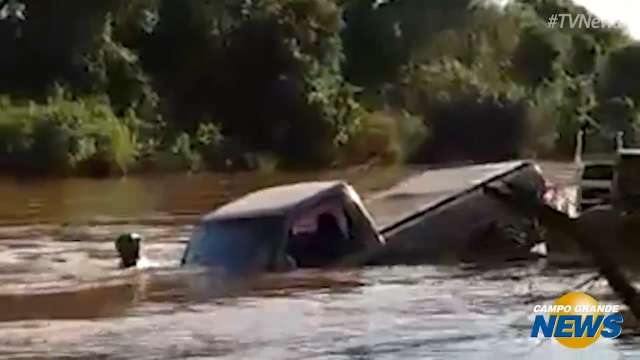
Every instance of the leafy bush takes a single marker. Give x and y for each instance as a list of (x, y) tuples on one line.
[(192, 152), (467, 115), (387, 137), (65, 136)]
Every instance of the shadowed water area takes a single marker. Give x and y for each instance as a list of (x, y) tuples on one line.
[(62, 295)]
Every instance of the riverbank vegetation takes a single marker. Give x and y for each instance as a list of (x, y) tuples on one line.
[(106, 87)]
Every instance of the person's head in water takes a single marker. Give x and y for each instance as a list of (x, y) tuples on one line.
[(128, 246)]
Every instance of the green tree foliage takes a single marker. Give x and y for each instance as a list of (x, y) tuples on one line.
[(269, 70), (66, 136), (381, 36), (617, 115), (463, 110), (50, 47), (619, 74), (201, 84), (538, 56), (585, 55)]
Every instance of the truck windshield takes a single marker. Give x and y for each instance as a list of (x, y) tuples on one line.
[(235, 245)]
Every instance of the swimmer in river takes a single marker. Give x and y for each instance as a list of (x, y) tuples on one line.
[(128, 247)]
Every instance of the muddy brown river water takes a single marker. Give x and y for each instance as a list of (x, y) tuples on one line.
[(62, 295)]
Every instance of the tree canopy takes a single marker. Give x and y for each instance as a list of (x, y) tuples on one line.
[(223, 84)]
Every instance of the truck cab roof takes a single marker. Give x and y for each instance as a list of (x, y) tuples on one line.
[(278, 201), (284, 225)]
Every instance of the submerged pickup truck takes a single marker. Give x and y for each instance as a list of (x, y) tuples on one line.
[(301, 225), (438, 215)]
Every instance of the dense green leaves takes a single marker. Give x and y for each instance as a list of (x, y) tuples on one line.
[(65, 136), (199, 84)]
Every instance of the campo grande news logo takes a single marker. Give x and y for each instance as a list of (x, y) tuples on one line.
[(577, 321)]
